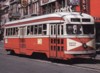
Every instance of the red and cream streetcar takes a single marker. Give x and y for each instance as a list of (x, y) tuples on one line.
[(62, 35)]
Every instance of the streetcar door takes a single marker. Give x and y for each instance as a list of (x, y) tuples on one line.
[(56, 50), (22, 43)]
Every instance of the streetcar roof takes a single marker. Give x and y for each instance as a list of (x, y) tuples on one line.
[(59, 16)]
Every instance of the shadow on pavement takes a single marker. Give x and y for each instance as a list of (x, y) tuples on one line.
[(70, 62), (78, 61)]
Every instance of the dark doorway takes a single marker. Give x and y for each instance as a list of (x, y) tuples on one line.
[(97, 36)]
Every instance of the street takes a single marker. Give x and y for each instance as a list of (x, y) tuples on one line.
[(23, 64)]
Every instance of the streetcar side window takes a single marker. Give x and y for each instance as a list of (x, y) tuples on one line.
[(44, 27), (55, 30), (35, 29), (30, 30), (44, 31), (51, 30), (39, 29), (11, 31), (16, 31), (6, 32), (58, 29), (62, 30)]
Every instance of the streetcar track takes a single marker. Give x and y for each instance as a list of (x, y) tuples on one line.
[(87, 68), (75, 66)]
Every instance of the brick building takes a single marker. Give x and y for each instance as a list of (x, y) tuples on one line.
[(19, 9)]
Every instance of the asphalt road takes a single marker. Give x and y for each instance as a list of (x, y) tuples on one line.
[(23, 64)]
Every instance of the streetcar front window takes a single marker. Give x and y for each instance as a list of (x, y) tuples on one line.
[(88, 29), (74, 29), (80, 29)]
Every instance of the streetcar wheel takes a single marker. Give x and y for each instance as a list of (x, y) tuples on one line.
[(12, 53), (93, 56)]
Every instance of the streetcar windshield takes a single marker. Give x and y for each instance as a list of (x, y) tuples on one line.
[(88, 29), (74, 29), (79, 29)]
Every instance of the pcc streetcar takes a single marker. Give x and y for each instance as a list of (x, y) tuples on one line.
[(62, 35)]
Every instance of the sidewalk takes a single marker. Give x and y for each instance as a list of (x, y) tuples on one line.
[(1, 44), (93, 64), (2, 41)]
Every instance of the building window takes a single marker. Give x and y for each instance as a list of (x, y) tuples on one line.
[(48, 8), (74, 2), (25, 11), (24, 4)]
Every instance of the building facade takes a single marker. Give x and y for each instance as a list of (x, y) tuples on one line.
[(19, 9), (3, 15)]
